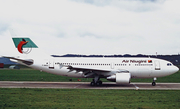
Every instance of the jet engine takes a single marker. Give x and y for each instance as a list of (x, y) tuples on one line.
[(120, 78)]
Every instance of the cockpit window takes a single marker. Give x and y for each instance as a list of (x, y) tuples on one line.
[(169, 64)]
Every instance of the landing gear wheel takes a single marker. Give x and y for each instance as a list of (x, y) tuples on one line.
[(96, 82), (153, 84), (92, 83), (99, 83)]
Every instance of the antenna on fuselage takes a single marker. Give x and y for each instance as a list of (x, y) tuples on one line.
[(156, 54)]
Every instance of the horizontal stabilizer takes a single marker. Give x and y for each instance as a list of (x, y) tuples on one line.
[(25, 61)]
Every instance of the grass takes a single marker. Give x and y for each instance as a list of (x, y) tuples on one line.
[(93, 99), (83, 98), (28, 74)]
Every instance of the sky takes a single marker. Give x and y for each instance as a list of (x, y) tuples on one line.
[(100, 27)]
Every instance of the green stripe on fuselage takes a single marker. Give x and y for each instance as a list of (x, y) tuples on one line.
[(30, 43)]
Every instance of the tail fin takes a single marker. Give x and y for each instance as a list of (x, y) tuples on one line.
[(24, 45)]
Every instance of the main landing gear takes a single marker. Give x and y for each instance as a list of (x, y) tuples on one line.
[(154, 83), (96, 81)]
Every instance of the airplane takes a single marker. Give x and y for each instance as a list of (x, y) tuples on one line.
[(119, 70)]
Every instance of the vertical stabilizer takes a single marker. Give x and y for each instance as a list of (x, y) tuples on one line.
[(24, 45)]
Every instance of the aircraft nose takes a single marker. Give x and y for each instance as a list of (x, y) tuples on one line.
[(176, 69)]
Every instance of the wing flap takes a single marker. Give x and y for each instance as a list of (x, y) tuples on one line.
[(89, 72), (96, 69), (89, 69)]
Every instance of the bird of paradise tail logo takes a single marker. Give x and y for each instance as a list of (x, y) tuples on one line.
[(24, 45), (20, 47)]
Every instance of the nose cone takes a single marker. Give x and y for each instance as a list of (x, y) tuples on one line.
[(170, 70), (176, 69)]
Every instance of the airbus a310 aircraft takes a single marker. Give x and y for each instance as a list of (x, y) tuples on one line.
[(119, 70)]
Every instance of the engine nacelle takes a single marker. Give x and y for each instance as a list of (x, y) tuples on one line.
[(123, 78), (120, 78)]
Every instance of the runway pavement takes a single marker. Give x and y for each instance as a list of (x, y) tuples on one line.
[(86, 85)]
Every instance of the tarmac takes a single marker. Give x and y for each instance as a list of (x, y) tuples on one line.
[(86, 85)]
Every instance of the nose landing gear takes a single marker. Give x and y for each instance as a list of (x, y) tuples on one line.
[(154, 83)]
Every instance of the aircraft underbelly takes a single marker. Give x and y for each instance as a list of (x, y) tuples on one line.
[(142, 73)]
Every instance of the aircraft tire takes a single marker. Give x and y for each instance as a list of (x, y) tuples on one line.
[(99, 83), (92, 84), (153, 84)]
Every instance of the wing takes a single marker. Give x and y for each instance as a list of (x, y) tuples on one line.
[(91, 72), (18, 60)]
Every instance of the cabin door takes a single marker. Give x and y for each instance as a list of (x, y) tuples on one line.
[(51, 64), (157, 65), (112, 65)]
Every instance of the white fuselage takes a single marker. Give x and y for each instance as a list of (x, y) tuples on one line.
[(137, 67)]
